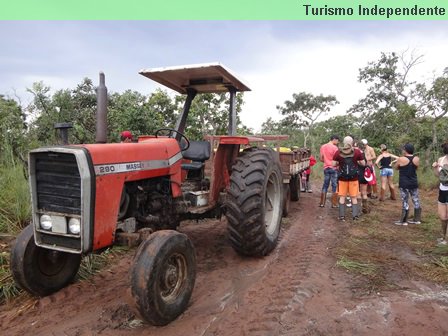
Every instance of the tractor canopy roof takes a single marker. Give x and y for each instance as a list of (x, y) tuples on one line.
[(204, 78)]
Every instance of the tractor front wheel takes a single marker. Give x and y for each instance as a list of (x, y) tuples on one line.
[(255, 203), (38, 270), (163, 276)]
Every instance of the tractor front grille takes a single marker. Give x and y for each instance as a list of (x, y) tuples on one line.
[(58, 183)]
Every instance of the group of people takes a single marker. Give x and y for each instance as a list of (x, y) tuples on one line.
[(350, 171)]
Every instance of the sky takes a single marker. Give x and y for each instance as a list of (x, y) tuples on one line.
[(276, 58)]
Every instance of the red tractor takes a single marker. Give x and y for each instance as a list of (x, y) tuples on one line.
[(89, 197)]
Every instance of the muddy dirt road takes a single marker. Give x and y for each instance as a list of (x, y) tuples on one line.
[(297, 290)]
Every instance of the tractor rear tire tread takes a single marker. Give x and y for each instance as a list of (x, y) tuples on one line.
[(245, 206)]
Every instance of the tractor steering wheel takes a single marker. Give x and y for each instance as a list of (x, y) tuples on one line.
[(184, 145)]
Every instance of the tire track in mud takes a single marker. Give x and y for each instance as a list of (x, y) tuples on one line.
[(282, 287)]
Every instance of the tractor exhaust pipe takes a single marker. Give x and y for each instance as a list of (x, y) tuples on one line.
[(101, 112)]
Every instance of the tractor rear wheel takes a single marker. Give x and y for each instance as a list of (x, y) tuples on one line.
[(38, 270), (294, 186), (255, 203), (163, 276)]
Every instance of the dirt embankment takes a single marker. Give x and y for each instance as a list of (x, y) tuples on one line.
[(297, 290)]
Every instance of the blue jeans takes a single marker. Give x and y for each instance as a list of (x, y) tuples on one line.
[(386, 172), (330, 175)]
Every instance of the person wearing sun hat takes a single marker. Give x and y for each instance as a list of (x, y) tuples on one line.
[(348, 159)]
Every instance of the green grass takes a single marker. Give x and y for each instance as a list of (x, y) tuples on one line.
[(356, 266), (93, 263), (381, 255), (15, 207), (426, 179), (8, 288)]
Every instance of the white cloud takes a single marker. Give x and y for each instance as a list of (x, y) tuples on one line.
[(329, 67)]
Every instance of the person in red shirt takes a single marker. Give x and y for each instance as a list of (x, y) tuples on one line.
[(348, 159), (306, 176), (327, 152)]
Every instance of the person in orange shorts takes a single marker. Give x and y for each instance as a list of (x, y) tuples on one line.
[(348, 159)]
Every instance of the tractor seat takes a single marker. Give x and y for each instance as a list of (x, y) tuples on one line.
[(198, 152)]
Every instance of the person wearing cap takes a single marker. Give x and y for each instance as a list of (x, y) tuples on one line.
[(126, 136), (348, 159), (384, 163), (370, 156), (407, 165), (327, 152)]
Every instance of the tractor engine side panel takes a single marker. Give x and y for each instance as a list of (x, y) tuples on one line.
[(116, 164)]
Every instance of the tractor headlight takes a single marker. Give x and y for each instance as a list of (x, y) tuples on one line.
[(46, 222), (74, 226)]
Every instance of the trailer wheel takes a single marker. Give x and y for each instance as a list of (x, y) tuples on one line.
[(163, 276), (286, 200), (255, 203), (294, 186), (38, 270)]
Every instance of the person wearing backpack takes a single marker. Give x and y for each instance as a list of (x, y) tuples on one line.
[(440, 168), (348, 159), (407, 165)]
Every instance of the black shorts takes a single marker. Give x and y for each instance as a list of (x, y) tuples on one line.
[(443, 196)]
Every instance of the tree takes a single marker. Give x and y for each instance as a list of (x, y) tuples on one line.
[(397, 110), (270, 126), (12, 128), (83, 104), (340, 125), (304, 110), (433, 109), (387, 111), (129, 110), (209, 115), (43, 114)]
